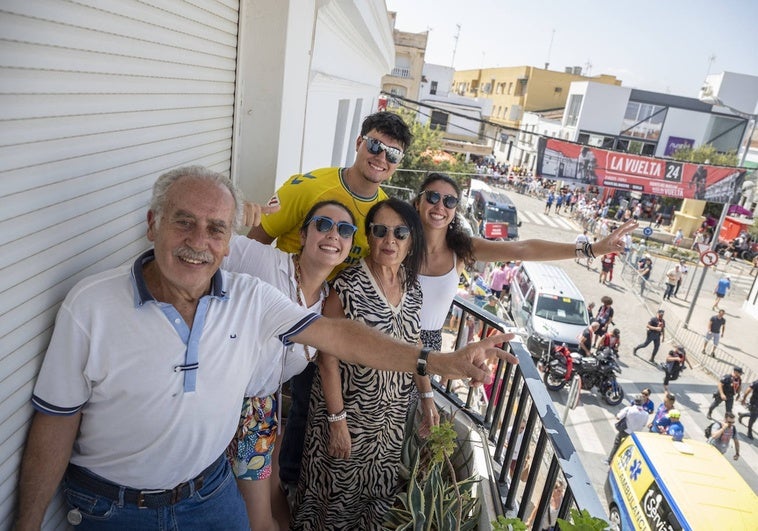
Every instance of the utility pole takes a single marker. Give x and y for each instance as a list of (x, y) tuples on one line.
[(455, 46)]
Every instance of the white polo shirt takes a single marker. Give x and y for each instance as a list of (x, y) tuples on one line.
[(274, 266), (118, 356)]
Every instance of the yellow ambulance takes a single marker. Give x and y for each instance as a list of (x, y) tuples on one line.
[(656, 483)]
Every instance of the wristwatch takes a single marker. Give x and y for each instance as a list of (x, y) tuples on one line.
[(421, 363)]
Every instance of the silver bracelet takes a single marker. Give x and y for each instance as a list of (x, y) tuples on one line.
[(430, 394), (342, 415)]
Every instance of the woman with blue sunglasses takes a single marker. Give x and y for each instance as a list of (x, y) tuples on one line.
[(326, 237), (449, 249)]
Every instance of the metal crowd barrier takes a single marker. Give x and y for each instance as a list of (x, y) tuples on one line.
[(523, 481)]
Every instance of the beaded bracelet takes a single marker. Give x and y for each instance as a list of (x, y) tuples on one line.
[(342, 415)]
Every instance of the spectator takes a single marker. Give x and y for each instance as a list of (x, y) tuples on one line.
[(605, 314), (176, 332), (660, 420), (498, 281), (716, 328), (606, 267), (673, 277), (647, 404), (580, 241), (683, 269), (656, 333), (722, 433), (549, 201), (675, 427), (728, 387), (630, 419), (722, 288), (675, 361), (610, 339), (357, 415), (644, 268), (678, 237), (752, 392), (586, 339), (492, 304)]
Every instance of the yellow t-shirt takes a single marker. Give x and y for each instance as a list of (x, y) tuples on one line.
[(300, 193)]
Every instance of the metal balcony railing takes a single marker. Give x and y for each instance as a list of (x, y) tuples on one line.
[(546, 459), (401, 72)]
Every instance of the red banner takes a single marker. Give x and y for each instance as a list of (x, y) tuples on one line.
[(585, 165)]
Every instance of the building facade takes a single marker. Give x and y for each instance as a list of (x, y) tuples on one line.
[(96, 103), (519, 89), (406, 76)]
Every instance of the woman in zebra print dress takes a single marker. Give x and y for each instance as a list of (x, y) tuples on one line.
[(357, 415)]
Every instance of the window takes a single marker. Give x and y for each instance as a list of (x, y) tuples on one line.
[(433, 88), (573, 109), (510, 87), (439, 120), (558, 90), (643, 120)]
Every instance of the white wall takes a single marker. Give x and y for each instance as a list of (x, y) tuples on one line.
[(603, 106), (443, 75), (683, 124)]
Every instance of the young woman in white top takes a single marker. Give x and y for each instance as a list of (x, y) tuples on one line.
[(326, 236), (449, 249)]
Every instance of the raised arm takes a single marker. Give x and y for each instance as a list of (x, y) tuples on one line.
[(489, 251), (48, 449), (355, 342)]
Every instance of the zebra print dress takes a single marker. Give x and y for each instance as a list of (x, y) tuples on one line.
[(356, 493)]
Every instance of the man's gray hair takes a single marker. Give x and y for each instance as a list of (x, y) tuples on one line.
[(164, 182)]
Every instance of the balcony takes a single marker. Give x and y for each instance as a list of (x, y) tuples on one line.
[(516, 487), (401, 72)]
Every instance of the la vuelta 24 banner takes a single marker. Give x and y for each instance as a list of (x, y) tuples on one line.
[(589, 166)]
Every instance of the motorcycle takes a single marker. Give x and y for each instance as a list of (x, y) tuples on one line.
[(594, 371)]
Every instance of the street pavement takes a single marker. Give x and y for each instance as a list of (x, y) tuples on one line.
[(591, 425)]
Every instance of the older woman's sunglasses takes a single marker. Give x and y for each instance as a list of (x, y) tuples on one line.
[(401, 232), (432, 197), (325, 224), (374, 146)]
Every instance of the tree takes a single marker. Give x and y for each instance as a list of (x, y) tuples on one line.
[(425, 155), (706, 154)]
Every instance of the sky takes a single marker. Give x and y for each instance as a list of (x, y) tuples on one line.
[(659, 45)]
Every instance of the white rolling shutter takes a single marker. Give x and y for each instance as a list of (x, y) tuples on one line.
[(97, 98)]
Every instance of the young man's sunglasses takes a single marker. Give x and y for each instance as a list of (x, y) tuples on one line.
[(374, 146), (401, 232), (324, 224), (432, 197)]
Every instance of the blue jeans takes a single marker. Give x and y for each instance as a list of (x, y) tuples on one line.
[(218, 505)]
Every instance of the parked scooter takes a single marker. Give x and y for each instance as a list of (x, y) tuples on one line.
[(597, 371)]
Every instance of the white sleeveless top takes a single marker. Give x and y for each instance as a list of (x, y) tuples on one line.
[(438, 296)]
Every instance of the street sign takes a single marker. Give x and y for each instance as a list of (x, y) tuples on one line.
[(702, 247), (647, 231), (709, 258)]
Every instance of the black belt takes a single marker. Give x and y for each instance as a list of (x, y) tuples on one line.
[(144, 499)]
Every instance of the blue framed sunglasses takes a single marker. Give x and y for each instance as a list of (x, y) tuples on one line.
[(432, 197), (324, 224), (401, 232), (374, 146)]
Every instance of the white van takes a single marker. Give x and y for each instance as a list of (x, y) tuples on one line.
[(546, 303)]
